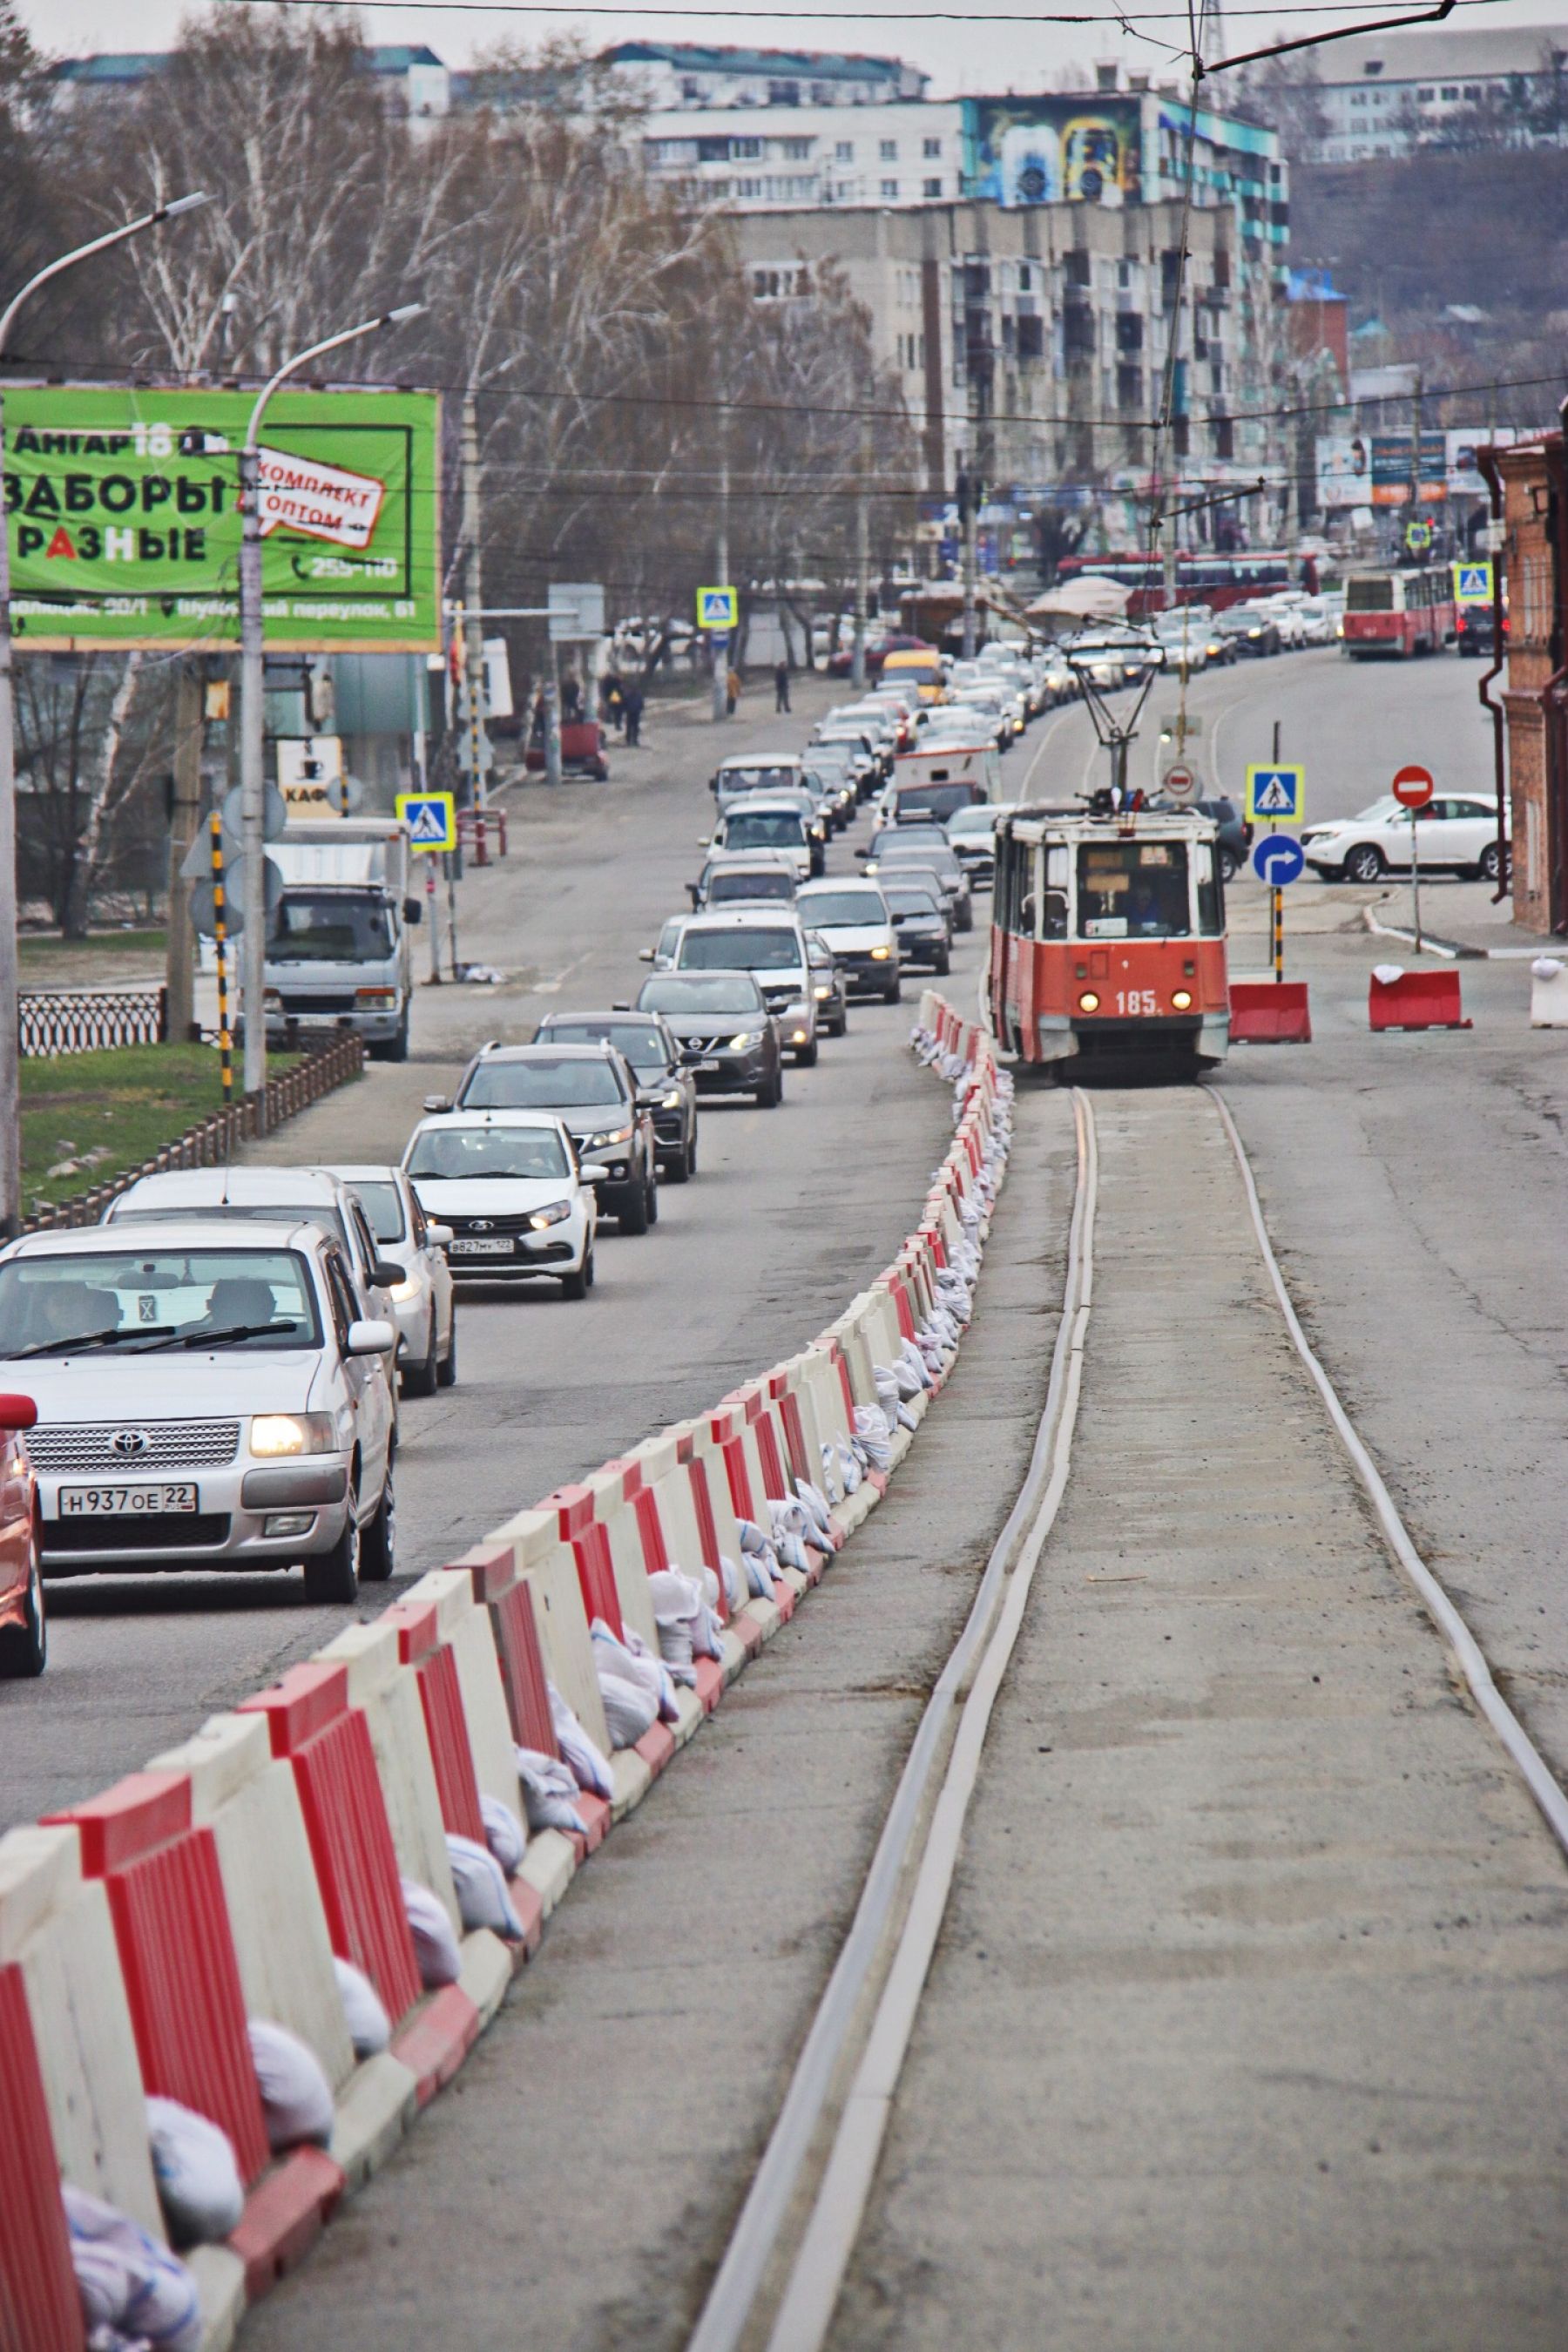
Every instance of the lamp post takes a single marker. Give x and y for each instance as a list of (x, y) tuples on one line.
[(10, 1046), (252, 646)]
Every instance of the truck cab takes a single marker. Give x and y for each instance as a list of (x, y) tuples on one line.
[(339, 955)]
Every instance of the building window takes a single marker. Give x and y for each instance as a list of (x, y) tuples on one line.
[(1031, 338), (845, 151), (746, 149), (795, 151), (889, 192), (889, 150), (931, 187), (931, 147), (784, 93), (1358, 98), (1472, 90), (748, 188), (1450, 93), (1425, 97)]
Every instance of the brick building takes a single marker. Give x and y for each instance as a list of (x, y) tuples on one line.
[(1533, 477)]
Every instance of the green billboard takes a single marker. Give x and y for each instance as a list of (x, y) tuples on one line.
[(122, 509)]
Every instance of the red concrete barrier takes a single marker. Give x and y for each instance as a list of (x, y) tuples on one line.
[(499, 1587), (1416, 999), (590, 1546), (39, 2308), (1269, 1012)]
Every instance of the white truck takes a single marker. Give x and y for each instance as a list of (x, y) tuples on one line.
[(339, 955)]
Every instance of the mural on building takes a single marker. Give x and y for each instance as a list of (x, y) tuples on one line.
[(1084, 148)]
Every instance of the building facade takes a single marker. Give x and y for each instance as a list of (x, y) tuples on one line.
[(1390, 93), (684, 74)]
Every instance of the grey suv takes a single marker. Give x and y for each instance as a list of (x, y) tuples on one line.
[(592, 1090)]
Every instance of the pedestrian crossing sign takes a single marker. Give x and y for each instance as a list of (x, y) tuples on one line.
[(431, 819), (1472, 583), (718, 608), (1273, 795)]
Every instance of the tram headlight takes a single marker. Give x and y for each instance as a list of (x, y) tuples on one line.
[(1089, 1002), (1182, 998)]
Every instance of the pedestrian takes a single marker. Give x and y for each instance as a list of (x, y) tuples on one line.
[(781, 686), (571, 700), (731, 691), (614, 702), (631, 708)]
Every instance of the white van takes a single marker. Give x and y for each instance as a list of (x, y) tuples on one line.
[(852, 916)]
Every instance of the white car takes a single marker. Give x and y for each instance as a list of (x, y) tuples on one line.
[(759, 941), (422, 1303), (287, 1193), (1456, 835), (509, 1184), (972, 837), (853, 918), (264, 1436)]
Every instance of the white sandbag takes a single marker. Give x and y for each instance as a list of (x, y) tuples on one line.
[(760, 1566), (911, 1356), (370, 2028), (436, 1952), (631, 1661), (629, 1711), (503, 1834), (733, 1593), (1386, 974), (590, 1769), (789, 1516), (793, 1553), (874, 1432), (817, 1508), (549, 1792), (296, 2096), (193, 2163), (126, 2280), (481, 1889), (676, 1602)]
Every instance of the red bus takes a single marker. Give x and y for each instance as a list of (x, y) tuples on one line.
[(1201, 578), (1108, 941), (1402, 613)]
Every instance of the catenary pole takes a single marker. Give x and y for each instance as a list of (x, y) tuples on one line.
[(10, 1041)]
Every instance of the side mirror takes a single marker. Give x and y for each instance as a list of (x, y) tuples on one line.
[(694, 892), (441, 1236), (438, 1102), (704, 841), (370, 1337), (18, 1412), (591, 1172), (621, 1005), (412, 912), (864, 850), (645, 955), (386, 1274)]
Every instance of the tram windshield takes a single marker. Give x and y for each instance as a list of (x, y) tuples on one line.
[(1133, 890)]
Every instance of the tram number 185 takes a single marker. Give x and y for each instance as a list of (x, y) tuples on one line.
[(1137, 1000)]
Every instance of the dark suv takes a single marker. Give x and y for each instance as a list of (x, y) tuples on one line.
[(665, 1085), (591, 1089)]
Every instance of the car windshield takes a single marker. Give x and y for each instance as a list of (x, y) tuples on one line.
[(725, 993), (763, 829), (330, 926), (908, 900), (766, 776), (1385, 807), (739, 951), (843, 907), (761, 885), (383, 1205), (324, 1213), (921, 849), (1133, 890), (451, 1154), (545, 1082), (972, 824), (149, 1297), (938, 801), (643, 1046)]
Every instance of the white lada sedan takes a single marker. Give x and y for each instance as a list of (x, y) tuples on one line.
[(262, 1437), (510, 1190)]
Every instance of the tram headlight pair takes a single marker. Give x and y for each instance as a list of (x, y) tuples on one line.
[(1182, 998), (1089, 1002)]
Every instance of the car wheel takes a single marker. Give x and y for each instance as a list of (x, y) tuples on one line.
[(677, 1168), (419, 1379), (1490, 865), (1227, 867), (941, 963), (446, 1369), (894, 989), (841, 1026), (651, 1196), (378, 1545), (25, 1648), (580, 1281), (1365, 863), (332, 1577), (691, 1151), (806, 1056), (770, 1094), (633, 1218), (397, 1051), (964, 920)]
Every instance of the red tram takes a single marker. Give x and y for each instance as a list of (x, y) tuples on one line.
[(1108, 941)]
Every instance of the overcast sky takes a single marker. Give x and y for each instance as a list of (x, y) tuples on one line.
[(958, 56)]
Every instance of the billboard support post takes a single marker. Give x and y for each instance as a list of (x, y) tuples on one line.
[(10, 1031), (252, 682)]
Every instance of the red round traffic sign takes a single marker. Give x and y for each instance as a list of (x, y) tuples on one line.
[(1413, 787), (1181, 782)]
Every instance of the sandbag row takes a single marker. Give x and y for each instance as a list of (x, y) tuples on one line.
[(228, 1984)]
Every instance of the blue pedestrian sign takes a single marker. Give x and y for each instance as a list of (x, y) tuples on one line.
[(718, 608), (1472, 583), (431, 819), (1278, 859), (1273, 795)]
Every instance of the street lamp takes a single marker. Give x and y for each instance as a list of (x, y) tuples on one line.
[(10, 1041), (252, 786)]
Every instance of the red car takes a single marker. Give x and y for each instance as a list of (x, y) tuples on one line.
[(24, 1637)]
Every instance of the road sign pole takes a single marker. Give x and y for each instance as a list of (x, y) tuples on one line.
[(1416, 878), (432, 916), (451, 914), (220, 939)]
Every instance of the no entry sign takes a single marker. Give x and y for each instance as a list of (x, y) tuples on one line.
[(1413, 787), (1181, 782)]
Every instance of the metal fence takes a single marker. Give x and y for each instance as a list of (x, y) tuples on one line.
[(212, 1140), (85, 1020)]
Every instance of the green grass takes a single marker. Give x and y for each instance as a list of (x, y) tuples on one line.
[(122, 1104), (39, 953)]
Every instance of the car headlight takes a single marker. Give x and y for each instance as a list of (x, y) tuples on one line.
[(1182, 999), (741, 1040), (823, 994), (556, 1213), (272, 1434), (404, 1290), (1089, 1002), (672, 1101), (611, 1136), (880, 955)]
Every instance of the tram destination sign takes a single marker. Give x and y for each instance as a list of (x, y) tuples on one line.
[(122, 512)]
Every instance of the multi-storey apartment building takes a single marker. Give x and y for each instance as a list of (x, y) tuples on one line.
[(1390, 93)]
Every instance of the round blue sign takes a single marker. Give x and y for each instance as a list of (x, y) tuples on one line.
[(1278, 859)]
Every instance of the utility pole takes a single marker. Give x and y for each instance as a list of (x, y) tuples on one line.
[(720, 640), (185, 817), (476, 749), (1415, 451), (862, 557), (968, 504)]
